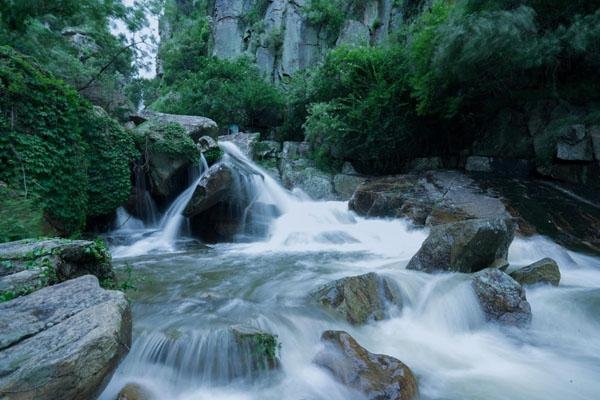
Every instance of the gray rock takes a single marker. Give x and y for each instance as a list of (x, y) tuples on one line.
[(345, 185), (348, 169), (425, 164), (266, 150), (430, 198), (595, 135), (295, 150), (542, 271), (574, 144), (302, 174), (196, 126), (501, 298), (354, 33), (466, 246), (30, 264), (359, 299), (377, 376), (62, 342), (244, 141), (134, 391), (261, 348), (215, 186), (478, 164), (207, 143)]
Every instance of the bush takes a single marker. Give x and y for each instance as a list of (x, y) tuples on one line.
[(166, 138), (111, 152), (20, 216), (230, 92)]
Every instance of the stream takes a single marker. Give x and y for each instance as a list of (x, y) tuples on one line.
[(189, 295)]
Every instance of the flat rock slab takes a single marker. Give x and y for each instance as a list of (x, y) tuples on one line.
[(196, 126), (63, 341)]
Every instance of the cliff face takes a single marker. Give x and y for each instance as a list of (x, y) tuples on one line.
[(280, 37)]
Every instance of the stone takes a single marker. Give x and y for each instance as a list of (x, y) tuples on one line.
[(256, 350), (214, 187), (196, 126), (30, 264), (63, 341), (267, 149), (542, 271), (295, 150), (478, 164), (429, 198), (135, 391), (206, 143), (501, 298), (466, 246), (348, 169), (425, 164), (574, 144), (345, 185), (244, 141), (377, 376), (299, 171), (354, 33), (359, 299), (595, 135)]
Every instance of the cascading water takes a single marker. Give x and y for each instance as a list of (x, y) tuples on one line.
[(188, 302)]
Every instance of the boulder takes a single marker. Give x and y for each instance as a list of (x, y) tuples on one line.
[(425, 164), (267, 150), (574, 144), (63, 341), (429, 198), (214, 187), (501, 298), (244, 141), (302, 173), (542, 271), (595, 135), (30, 264), (195, 126), (359, 299), (377, 376), (134, 391), (206, 143), (466, 246), (259, 347), (295, 150), (478, 164), (345, 185)]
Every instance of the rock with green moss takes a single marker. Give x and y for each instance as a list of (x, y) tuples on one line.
[(259, 349), (542, 271), (377, 376), (195, 126), (135, 391), (359, 299), (28, 265), (168, 151)]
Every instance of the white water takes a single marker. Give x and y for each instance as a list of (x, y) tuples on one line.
[(182, 350)]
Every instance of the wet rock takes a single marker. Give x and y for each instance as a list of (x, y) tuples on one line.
[(63, 341), (30, 264), (260, 347), (206, 143), (299, 171), (359, 299), (345, 185), (377, 376), (244, 141), (267, 150), (214, 187), (542, 271), (195, 126), (430, 198), (501, 298), (466, 246), (478, 164), (134, 391), (574, 144)]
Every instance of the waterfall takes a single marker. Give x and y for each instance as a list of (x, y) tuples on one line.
[(164, 238)]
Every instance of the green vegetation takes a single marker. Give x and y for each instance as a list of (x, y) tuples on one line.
[(166, 138), (213, 155), (55, 150), (20, 216)]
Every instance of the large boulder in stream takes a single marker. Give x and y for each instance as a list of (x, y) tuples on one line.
[(543, 271), (214, 187), (377, 376), (62, 342), (259, 349), (501, 298), (466, 246), (168, 152), (29, 264), (427, 198), (359, 299), (195, 126)]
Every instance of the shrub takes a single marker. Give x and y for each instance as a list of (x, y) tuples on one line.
[(166, 138), (20, 216)]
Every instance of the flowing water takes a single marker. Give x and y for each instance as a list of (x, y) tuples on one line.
[(191, 294)]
